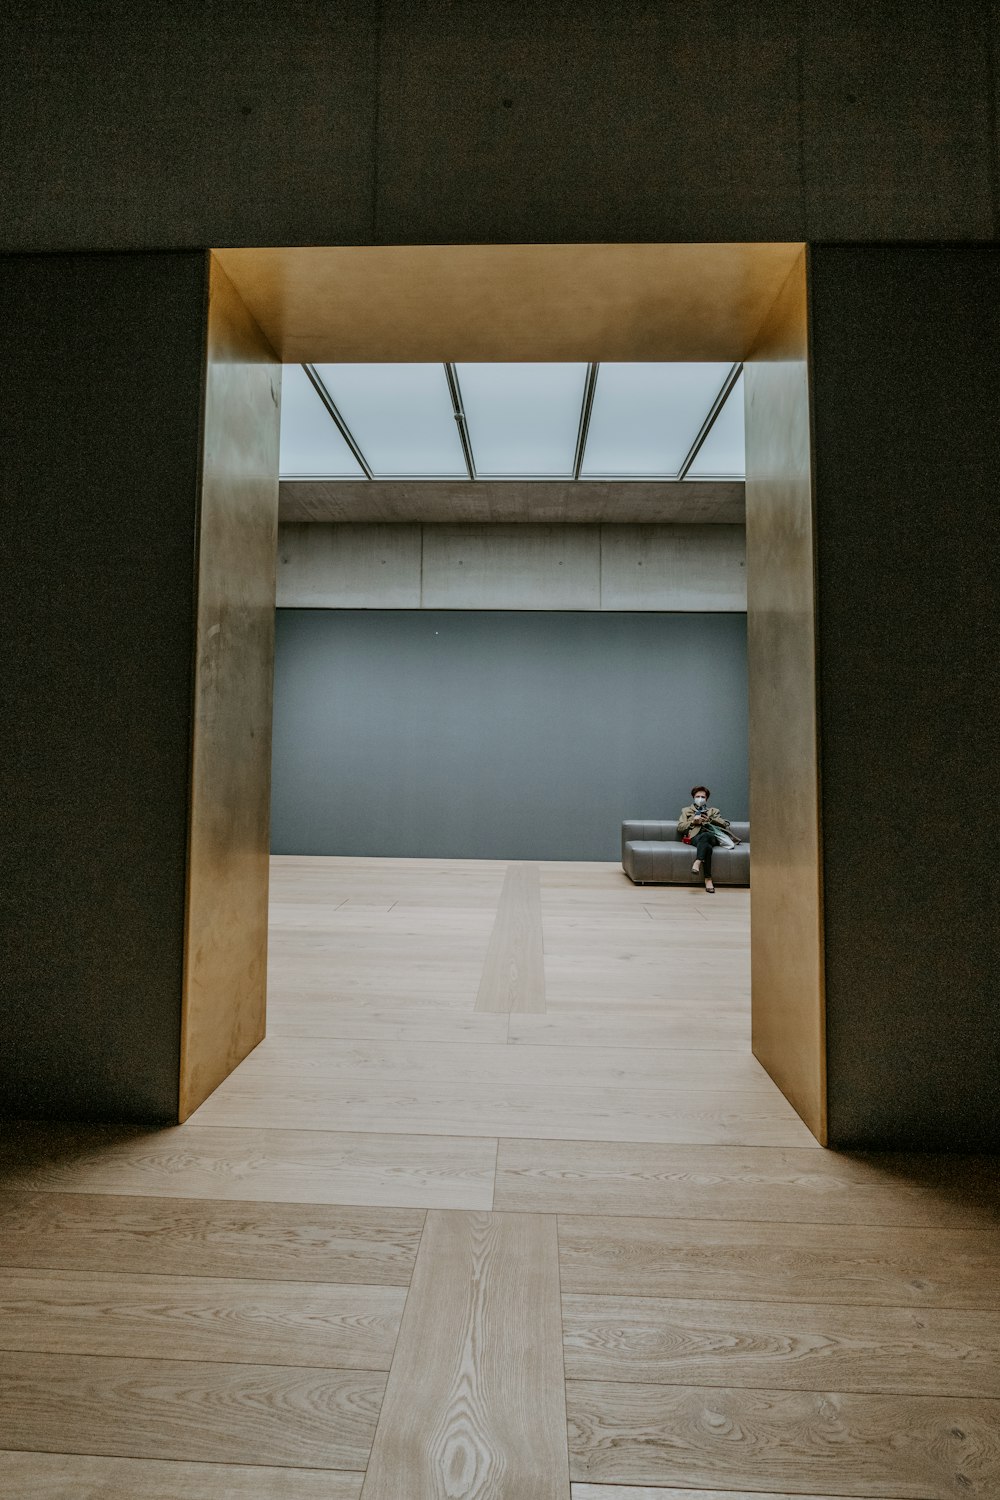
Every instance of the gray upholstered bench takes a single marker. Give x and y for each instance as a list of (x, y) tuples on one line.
[(652, 854)]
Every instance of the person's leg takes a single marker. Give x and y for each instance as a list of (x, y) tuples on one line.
[(703, 845)]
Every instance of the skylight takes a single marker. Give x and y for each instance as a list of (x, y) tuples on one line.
[(607, 421)]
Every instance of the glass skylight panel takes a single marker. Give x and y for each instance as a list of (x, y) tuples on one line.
[(523, 419), (401, 418), (723, 453), (311, 446), (646, 416)]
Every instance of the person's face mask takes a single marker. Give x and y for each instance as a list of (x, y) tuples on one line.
[(699, 801)]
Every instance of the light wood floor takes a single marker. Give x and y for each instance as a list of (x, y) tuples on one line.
[(502, 1209)]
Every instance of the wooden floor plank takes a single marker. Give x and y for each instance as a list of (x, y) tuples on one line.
[(210, 1318), (65, 1476), (474, 1409), (513, 976), (279, 1166), (788, 1346), (665, 1070), (188, 1410), (903, 1447), (192, 1237), (311, 1018), (853, 1264), (629, 1492), (746, 1183), (709, 1116), (727, 1030)]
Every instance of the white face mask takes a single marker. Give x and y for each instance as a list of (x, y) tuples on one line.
[(700, 801)]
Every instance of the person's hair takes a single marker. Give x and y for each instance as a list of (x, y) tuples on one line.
[(696, 789)]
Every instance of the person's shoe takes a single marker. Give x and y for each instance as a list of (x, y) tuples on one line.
[(696, 867), (710, 887)]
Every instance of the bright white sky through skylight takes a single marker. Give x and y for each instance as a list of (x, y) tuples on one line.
[(523, 419), (646, 416), (401, 418), (311, 446), (723, 453)]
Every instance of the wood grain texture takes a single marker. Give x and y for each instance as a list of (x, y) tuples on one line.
[(474, 1409), (794, 1346), (192, 1237), (705, 1117), (746, 1184), (186, 1410), (696, 1026), (514, 972), (311, 1018), (854, 1265), (903, 1447), (67, 1476), (667, 1070), (281, 1166), (629, 1492), (191, 1318)]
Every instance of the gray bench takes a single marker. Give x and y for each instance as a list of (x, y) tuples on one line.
[(652, 854)]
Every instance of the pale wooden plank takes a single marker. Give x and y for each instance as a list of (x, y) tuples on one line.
[(197, 1237), (629, 1492), (715, 1116), (794, 1346), (514, 975), (195, 1411), (309, 1018), (746, 1183), (65, 1476), (209, 1318), (903, 1447), (281, 1166), (474, 1408), (477, 1064), (723, 1030), (853, 1264)]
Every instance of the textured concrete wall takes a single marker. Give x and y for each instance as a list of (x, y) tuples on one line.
[(214, 122), (687, 568), (100, 429), (500, 735), (905, 397)]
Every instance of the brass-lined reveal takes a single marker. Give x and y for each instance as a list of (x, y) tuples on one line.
[(789, 1034), (225, 968)]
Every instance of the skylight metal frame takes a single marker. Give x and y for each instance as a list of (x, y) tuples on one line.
[(583, 432), (333, 412)]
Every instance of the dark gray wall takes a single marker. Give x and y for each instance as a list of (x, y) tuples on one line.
[(499, 736), (302, 122), (99, 455), (905, 400)]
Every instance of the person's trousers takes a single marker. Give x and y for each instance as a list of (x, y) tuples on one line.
[(703, 846)]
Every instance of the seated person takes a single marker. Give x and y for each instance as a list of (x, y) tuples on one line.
[(704, 827)]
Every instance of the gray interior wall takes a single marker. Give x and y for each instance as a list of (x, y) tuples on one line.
[(381, 121), (499, 735), (905, 400), (99, 471)]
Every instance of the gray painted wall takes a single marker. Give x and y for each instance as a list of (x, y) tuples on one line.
[(499, 735)]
